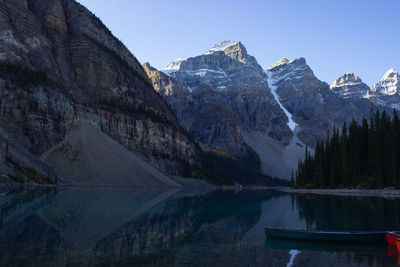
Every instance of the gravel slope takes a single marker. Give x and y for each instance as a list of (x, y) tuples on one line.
[(276, 160), (87, 156)]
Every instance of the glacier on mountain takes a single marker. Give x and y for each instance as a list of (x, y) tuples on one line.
[(271, 84)]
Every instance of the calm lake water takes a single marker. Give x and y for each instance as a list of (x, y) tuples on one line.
[(124, 227)]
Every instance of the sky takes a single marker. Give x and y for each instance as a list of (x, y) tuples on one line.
[(335, 37)]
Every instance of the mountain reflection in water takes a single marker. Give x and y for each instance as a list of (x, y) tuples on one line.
[(156, 227)]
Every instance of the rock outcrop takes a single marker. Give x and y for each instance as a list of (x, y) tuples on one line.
[(59, 65), (386, 92), (389, 84), (350, 86)]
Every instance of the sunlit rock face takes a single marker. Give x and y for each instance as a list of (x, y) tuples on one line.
[(75, 70), (220, 94), (389, 84), (386, 92), (350, 86)]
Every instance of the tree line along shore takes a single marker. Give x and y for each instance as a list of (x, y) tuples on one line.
[(364, 155)]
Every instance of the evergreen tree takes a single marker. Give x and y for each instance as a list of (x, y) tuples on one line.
[(361, 155), (395, 150), (344, 158)]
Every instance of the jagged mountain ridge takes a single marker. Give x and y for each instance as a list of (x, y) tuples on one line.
[(384, 93), (307, 107), (59, 65), (311, 102), (350, 85), (222, 97), (389, 84), (226, 86)]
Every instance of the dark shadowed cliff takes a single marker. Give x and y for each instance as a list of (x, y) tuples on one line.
[(59, 65)]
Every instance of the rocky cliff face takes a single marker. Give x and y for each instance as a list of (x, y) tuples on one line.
[(386, 92), (389, 84), (210, 123), (312, 104), (220, 94), (59, 65), (350, 86)]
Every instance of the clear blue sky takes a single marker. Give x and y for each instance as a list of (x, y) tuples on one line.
[(335, 37)]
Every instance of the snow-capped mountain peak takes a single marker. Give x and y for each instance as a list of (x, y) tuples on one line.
[(349, 85), (229, 47), (348, 78), (285, 70), (175, 64), (389, 84), (221, 46), (293, 64), (280, 62), (390, 74)]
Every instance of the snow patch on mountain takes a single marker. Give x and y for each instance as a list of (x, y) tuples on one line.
[(204, 72), (347, 84), (296, 73), (350, 85), (221, 46), (289, 70), (174, 65), (389, 84), (389, 74), (272, 85), (283, 61), (294, 63)]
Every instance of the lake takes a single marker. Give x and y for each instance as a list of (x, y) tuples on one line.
[(156, 227)]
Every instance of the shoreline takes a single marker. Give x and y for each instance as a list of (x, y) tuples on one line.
[(385, 193), (193, 184)]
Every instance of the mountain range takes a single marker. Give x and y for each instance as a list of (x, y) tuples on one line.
[(77, 107), (226, 100)]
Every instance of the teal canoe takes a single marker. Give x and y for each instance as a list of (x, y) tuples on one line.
[(315, 245), (336, 236)]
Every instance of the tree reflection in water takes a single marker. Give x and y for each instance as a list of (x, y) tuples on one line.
[(155, 227)]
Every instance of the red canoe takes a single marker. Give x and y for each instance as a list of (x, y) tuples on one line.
[(392, 251), (398, 244), (391, 237)]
